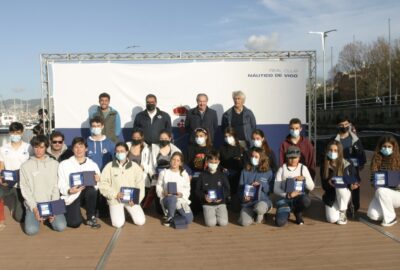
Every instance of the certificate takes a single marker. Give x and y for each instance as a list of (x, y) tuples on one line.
[(130, 194), (212, 194), (250, 191), (76, 179), (10, 177), (172, 188)]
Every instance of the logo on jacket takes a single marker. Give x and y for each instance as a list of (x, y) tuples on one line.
[(105, 151)]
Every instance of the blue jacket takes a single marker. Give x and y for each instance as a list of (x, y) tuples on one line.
[(264, 178), (249, 122), (101, 152)]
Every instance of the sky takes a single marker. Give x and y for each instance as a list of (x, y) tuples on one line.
[(29, 28)]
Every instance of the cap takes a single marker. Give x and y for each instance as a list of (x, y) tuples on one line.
[(293, 151)]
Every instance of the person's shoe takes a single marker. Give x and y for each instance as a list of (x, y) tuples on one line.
[(2, 226), (342, 218), (167, 222), (299, 218), (92, 222), (259, 219), (391, 223)]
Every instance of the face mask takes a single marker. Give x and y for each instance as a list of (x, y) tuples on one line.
[(230, 140), (294, 133), (120, 156), (15, 137), (150, 107), (136, 142), (257, 143), (386, 151), (213, 167), (200, 140), (164, 143), (96, 131), (255, 161), (332, 155), (343, 129)]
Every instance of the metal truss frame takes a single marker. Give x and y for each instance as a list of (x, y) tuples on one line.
[(46, 59)]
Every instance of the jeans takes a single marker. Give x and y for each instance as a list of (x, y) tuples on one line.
[(299, 204), (73, 215), (32, 225), (169, 203)]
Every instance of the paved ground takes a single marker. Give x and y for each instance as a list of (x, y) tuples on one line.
[(315, 245)]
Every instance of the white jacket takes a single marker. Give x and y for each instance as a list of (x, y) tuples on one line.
[(182, 185), (69, 166), (155, 150), (145, 163)]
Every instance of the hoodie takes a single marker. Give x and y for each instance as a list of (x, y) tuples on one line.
[(101, 151), (38, 181)]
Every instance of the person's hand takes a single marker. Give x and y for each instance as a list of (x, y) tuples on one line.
[(331, 183), (119, 196), (354, 186), (4, 184), (300, 178), (37, 215), (179, 195), (246, 198), (218, 201), (75, 189), (207, 198), (255, 184), (97, 177), (293, 194), (131, 203), (51, 219)]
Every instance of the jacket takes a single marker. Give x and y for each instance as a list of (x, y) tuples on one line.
[(69, 166), (248, 178), (329, 196), (101, 151), (144, 163), (307, 153), (65, 153), (217, 181), (115, 176), (249, 122), (155, 150), (182, 185), (112, 123), (209, 122), (38, 181), (152, 128)]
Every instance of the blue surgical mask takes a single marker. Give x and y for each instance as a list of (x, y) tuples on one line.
[(332, 155), (96, 130), (15, 138), (120, 156), (294, 133), (386, 151), (255, 161)]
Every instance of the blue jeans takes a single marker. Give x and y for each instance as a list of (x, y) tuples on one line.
[(298, 205), (32, 225), (169, 203)]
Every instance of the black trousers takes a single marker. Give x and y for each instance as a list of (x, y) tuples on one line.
[(88, 198)]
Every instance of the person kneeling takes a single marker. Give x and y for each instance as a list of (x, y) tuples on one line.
[(293, 196), (173, 189), (38, 184), (254, 187), (122, 184), (335, 171), (213, 190)]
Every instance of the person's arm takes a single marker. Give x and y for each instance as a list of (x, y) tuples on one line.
[(55, 193), (199, 188), (139, 181), (309, 183), (168, 125), (185, 186), (253, 122), (226, 186), (187, 123), (105, 185), (26, 188), (160, 184), (278, 183), (241, 184), (273, 164), (224, 122), (117, 125), (282, 154), (214, 123), (311, 160), (63, 180), (136, 123), (1, 169)]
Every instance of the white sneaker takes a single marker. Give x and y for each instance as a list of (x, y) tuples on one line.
[(342, 218), (391, 223), (259, 219), (2, 226)]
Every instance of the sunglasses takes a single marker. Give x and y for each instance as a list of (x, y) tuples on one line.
[(57, 142)]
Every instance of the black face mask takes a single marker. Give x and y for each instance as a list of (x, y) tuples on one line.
[(136, 142), (150, 107), (343, 129), (164, 143)]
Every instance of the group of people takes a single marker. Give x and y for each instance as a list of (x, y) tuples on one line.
[(242, 175)]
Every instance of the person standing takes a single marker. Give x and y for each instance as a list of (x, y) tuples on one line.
[(240, 118), (201, 117), (57, 148), (111, 118), (152, 120)]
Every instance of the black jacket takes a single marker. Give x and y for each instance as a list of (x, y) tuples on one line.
[(151, 130), (208, 122), (217, 181)]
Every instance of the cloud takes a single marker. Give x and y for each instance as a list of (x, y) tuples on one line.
[(262, 42)]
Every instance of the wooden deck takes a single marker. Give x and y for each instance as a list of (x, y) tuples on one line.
[(315, 245)]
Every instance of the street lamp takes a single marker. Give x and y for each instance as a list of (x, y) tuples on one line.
[(323, 36)]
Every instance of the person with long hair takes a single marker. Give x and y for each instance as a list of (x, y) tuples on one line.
[(258, 139), (122, 172), (255, 176), (386, 199), (175, 203), (336, 199)]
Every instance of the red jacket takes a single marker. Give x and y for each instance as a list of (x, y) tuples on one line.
[(307, 153)]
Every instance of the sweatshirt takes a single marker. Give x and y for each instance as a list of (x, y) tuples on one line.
[(285, 172), (69, 166), (182, 185), (155, 150), (115, 176), (216, 181), (101, 151), (144, 163), (263, 178), (38, 181)]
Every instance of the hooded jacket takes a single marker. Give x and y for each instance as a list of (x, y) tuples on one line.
[(263, 178), (101, 151), (112, 123)]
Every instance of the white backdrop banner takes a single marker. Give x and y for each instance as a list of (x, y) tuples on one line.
[(275, 90)]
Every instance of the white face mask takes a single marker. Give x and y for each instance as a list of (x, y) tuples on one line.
[(15, 138), (213, 167), (386, 151), (294, 133), (96, 130), (332, 155), (230, 140), (257, 143), (200, 140), (255, 161)]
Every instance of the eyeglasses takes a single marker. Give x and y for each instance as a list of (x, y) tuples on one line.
[(57, 142)]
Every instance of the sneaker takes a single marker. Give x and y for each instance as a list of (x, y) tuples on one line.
[(391, 223), (342, 219), (259, 219), (2, 226), (167, 222), (92, 222), (299, 218)]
